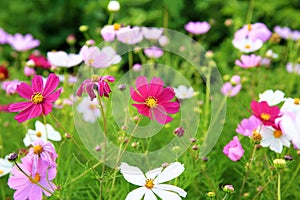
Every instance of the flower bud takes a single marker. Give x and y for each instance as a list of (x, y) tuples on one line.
[(83, 28), (113, 6), (71, 39), (228, 189), (12, 157), (279, 163), (211, 194), (179, 131)]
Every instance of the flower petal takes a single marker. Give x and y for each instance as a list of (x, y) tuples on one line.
[(24, 90), (142, 86), (52, 97), (173, 188), (15, 107), (132, 174), (136, 96), (153, 173), (37, 83), (160, 115), (170, 107), (149, 195), (171, 172), (155, 87), (166, 195), (52, 134), (35, 193), (166, 95), (143, 110), (136, 194), (47, 108), (32, 111), (51, 84)]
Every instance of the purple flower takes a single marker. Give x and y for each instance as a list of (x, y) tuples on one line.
[(197, 27), (99, 83), (22, 43), (234, 150), (129, 35), (247, 126), (257, 31), (3, 36), (229, 90), (153, 52), (248, 61)]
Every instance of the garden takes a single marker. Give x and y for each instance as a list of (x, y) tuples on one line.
[(161, 99)]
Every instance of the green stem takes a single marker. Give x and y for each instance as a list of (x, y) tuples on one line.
[(250, 11), (207, 99), (165, 18), (291, 180), (278, 187), (111, 18), (247, 171), (224, 197)]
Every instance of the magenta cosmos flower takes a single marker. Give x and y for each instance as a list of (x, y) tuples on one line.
[(40, 98), (154, 100), (197, 27), (248, 61), (234, 150), (98, 83), (26, 188), (22, 43), (265, 113)]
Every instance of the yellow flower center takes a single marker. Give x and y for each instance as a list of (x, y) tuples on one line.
[(1, 172), (35, 179), (249, 27), (39, 134), (297, 101), (151, 102), (2, 75), (37, 98), (265, 116), (38, 149), (93, 106), (256, 136), (149, 184), (248, 46), (117, 26), (95, 78), (91, 61), (277, 133)]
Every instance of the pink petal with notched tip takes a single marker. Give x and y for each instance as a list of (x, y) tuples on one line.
[(143, 110), (160, 115), (15, 107), (51, 84), (24, 90), (142, 86), (52, 97), (170, 107), (37, 84), (166, 95)]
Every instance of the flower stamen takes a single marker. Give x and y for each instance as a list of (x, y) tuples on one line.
[(151, 102), (297, 101), (1, 171), (36, 179), (39, 134), (149, 184), (277, 133), (37, 98), (265, 116), (38, 149), (117, 26)]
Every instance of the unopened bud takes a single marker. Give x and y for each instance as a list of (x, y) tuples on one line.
[(68, 136), (113, 6), (228, 189), (83, 28), (12, 157), (279, 163)]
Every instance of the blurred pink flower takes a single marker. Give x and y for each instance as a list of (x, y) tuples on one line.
[(22, 43), (137, 67), (293, 68), (129, 35), (154, 100), (153, 52), (109, 32), (248, 61), (284, 32), (229, 90), (28, 71), (40, 61), (3, 36), (234, 150), (10, 86), (248, 125), (197, 27), (40, 98), (256, 31), (27, 188), (99, 83), (152, 33)]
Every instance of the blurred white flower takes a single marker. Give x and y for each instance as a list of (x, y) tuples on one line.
[(246, 45), (113, 6), (62, 59), (89, 109), (271, 97), (182, 92), (152, 33), (43, 132), (151, 182), (5, 166), (291, 105)]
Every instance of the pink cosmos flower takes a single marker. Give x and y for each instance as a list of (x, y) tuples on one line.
[(153, 52), (265, 113), (10, 86), (129, 35), (230, 90), (3, 36), (257, 31), (40, 61), (40, 98), (154, 100), (283, 32), (197, 27), (248, 61), (247, 126), (234, 150), (42, 152), (28, 71), (99, 83), (22, 43), (27, 188), (246, 45), (152, 33), (109, 32), (293, 67)]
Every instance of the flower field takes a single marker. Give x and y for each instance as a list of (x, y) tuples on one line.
[(150, 100)]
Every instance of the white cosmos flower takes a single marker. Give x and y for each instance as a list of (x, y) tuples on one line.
[(274, 139), (5, 166), (62, 59), (290, 124), (291, 105), (89, 109), (271, 97), (182, 92), (246, 45), (41, 132), (151, 182)]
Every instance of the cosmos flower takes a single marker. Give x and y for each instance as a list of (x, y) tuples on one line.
[(3, 73), (248, 125), (43, 132), (62, 59), (291, 105), (40, 61), (153, 52), (22, 43), (234, 150), (89, 109), (28, 71), (152, 33), (98, 83), (109, 32), (248, 61), (246, 45), (5, 166), (10, 87), (197, 27), (151, 183), (293, 67), (290, 125), (182, 92), (271, 97), (256, 31), (40, 98), (26, 188), (3, 36), (153, 100), (230, 90), (129, 35)]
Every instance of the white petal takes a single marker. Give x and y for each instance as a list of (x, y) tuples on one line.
[(171, 172), (27, 140), (276, 146), (136, 194), (166, 195), (52, 134), (153, 173), (132, 174), (39, 126), (173, 188), (149, 195)]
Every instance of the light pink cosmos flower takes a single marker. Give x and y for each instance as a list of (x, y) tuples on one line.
[(40, 98), (152, 33), (256, 31), (283, 32), (129, 35), (154, 100), (109, 32), (28, 71), (197, 27), (230, 90), (27, 188), (153, 52), (234, 150), (63, 59), (248, 61), (3, 36), (22, 43), (10, 87), (247, 126), (293, 68), (246, 45), (97, 58)]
